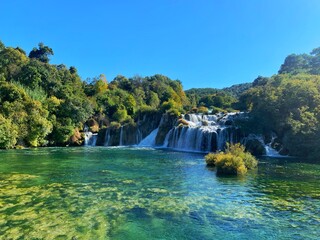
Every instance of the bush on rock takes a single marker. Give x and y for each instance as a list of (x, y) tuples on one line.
[(234, 161)]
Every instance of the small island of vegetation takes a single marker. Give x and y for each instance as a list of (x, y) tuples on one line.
[(233, 161)]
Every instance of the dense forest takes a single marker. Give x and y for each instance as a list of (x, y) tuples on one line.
[(288, 104), (43, 104)]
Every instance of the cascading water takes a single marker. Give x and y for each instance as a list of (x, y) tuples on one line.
[(150, 140), (90, 138), (203, 133), (138, 136), (257, 145), (271, 152), (121, 136), (196, 132), (107, 138)]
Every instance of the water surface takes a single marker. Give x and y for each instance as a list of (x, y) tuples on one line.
[(131, 193)]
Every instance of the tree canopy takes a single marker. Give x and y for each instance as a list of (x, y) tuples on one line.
[(42, 53)]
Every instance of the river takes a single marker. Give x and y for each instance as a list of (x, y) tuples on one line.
[(143, 193)]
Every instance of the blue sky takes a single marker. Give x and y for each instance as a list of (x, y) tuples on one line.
[(203, 43)]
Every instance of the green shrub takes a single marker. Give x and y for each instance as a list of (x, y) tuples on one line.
[(8, 133), (229, 164), (203, 109), (173, 112), (120, 115), (234, 161), (217, 110), (211, 159), (115, 125), (250, 161)]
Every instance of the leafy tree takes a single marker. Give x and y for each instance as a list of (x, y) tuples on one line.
[(260, 81), (289, 106), (153, 100), (8, 133), (295, 64), (63, 129), (2, 46), (315, 61), (42, 53), (38, 124), (120, 115), (11, 62)]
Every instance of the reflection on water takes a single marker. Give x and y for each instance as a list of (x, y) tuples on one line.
[(130, 193)]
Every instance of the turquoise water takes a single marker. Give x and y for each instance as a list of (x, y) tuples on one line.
[(131, 193)]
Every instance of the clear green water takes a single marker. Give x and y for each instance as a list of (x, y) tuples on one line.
[(128, 193)]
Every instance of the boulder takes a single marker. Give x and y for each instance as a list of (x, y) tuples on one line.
[(255, 147)]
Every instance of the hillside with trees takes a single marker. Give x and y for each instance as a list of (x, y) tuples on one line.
[(43, 104), (288, 104), (217, 100)]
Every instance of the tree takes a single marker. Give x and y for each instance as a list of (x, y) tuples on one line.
[(295, 64), (2, 46), (8, 133), (315, 61), (11, 62), (42, 54), (287, 105)]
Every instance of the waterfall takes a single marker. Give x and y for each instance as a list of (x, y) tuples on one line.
[(107, 138), (194, 132), (150, 140), (139, 136), (121, 136), (90, 138), (204, 133), (166, 140), (270, 151), (256, 144)]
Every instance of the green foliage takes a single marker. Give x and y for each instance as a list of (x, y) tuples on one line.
[(211, 159), (228, 164), (218, 110), (8, 133), (120, 115), (47, 102), (11, 62), (62, 131), (202, 109), (35, 93), (237, 89), (42, 53), (115, 125), (289, 106), (211, 98), (2, 47), (44, 102), (234, 161), (302, 63), (239, 150), (127, 98)]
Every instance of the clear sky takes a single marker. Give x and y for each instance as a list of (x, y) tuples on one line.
[(203, 43)]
